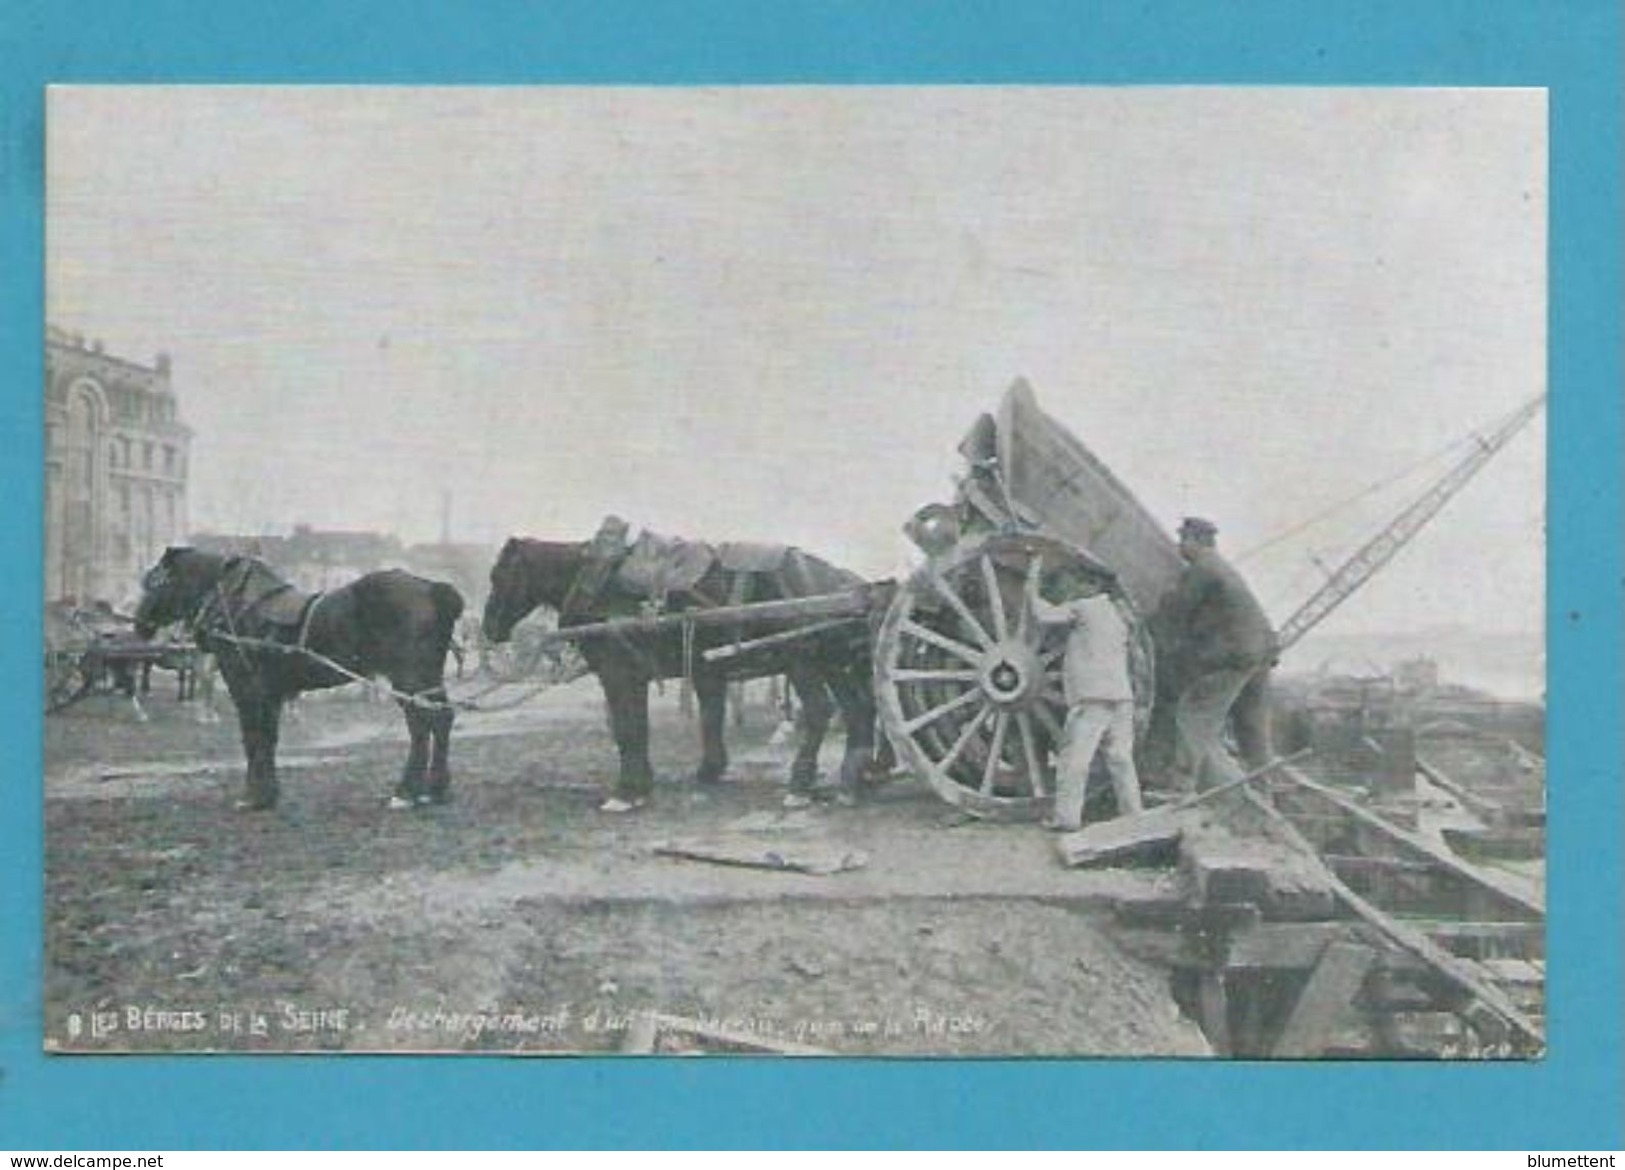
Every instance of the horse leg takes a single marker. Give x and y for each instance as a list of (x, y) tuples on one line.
[(856, 699), (410, 790), (812, 723), (627, 697), (712, 691), (257, 717), (440, 721), (205, 676)]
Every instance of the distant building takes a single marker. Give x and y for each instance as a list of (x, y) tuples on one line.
[(1417, 674), (465, 565), (116, 463), (311, 558)]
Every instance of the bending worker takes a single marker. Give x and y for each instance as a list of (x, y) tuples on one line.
[(1221, 648), (1099, 698)]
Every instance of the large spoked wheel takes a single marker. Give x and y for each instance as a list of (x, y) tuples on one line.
[(969, 685)]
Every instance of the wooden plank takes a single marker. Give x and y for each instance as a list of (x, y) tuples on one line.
[(1343, 862), (1154, 830), (1214, 1005), (1146, 838), (1464, 796), (797, 857), (736, 649), (1492, 883), (1482, 940), (848, 603), (1529, 1035), (1324, 1003)]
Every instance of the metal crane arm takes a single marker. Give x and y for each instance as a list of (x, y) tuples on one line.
[(1380, 549)]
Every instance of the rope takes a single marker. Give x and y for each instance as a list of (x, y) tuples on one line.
[(469, 703), (1348, 502), (218, 602)]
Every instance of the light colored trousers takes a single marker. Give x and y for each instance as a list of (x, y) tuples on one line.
[(1096, 724)]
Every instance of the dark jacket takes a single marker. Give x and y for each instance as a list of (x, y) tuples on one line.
[(1211, 621)]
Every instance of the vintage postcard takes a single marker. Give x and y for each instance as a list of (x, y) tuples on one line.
[(942, 571)]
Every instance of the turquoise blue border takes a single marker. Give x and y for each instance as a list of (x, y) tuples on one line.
[(1572, 1100)]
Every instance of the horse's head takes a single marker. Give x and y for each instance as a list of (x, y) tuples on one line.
[(528, 574), (172, 589)]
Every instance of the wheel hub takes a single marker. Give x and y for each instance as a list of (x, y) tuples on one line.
[(1009, 673)]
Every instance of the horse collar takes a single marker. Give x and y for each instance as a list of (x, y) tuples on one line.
[(588, 582)]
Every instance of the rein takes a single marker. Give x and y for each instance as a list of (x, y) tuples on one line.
[(217, 620)]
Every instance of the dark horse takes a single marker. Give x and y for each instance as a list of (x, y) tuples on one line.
[(827, 669), (272, 642)]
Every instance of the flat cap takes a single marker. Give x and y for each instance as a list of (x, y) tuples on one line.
[(1197, 528)]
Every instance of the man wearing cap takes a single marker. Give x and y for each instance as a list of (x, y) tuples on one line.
[(1099, 697), (1214, 636)]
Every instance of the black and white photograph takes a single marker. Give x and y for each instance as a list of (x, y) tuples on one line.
[(895, 571)]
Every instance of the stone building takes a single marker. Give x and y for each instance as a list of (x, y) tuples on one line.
[(116, 464)]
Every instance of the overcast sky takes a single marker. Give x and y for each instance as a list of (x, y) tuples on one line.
[(772, 313)]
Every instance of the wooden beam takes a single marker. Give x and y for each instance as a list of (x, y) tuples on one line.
[(1153, 831), (1214, 1004), (1346, 861), (736, 649), (1275, 878), (1529, 1034), (850, 603), (1492, 883), (1468, 799), (1143, 837), (1324, 1003), (1480, 940)]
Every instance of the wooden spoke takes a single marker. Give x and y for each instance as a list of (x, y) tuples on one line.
[(1001, 725), (1029, 743), (995, 600), (1024, 616), (942, 642), (957, 604), (1046, 716), (941, 709), (966, 734), (932, 676)]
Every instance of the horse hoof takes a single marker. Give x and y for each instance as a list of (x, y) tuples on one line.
[(616, 805), (797, 800), (254, 805), (399, 804)]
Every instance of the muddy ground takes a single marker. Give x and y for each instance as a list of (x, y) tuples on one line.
[(521, 919)]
